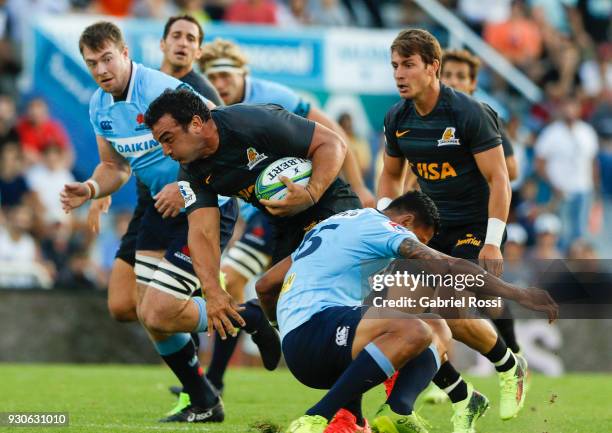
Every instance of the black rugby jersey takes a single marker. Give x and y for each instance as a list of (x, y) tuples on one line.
[(250, 138), (440, 148)]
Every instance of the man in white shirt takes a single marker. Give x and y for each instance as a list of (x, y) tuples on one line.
[(566, 153)]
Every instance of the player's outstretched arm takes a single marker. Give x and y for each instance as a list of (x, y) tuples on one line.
[(110, 175), (269, 287), (436, 262), (203, 240)]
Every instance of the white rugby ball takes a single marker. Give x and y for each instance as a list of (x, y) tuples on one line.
[(268, 185)]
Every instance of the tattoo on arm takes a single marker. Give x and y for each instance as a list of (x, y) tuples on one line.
[(414, 249)]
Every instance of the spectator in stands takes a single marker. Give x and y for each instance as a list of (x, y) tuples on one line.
[(252, 12), (596, 73), (373, 9), (547, 228), (118, 8), (80, 272), (331, 13), (48, 178), (565, 158), (14, 189), (475, 15), (195, 8), (8, 120), (517, 38), (10, 63), (159, 9), (37, 131), (20, 258), (360, 147), (295, 14)]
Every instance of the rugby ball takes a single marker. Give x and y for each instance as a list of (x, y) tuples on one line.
[(268, 185)]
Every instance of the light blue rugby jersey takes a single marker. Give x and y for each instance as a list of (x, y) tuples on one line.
[(326, 269), (258, 91), (122, 124)]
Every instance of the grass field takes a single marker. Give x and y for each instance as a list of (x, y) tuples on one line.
[(131, 399)]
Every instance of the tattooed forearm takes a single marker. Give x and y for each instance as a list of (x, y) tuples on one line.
[(413, 249)]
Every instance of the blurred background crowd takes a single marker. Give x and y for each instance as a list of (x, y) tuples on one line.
[(562, 199)]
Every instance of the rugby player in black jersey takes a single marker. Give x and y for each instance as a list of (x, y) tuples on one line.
[(222, 151), (452, 144), (460, 71)]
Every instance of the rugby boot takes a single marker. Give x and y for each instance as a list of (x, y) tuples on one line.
[(467, 411), (308, 424), (512, 384), (387, 421), (182, 403), (434, 395), (345, 422), (194, 414)]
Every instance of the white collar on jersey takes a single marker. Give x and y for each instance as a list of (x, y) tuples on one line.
[(128, 98), (247, 88)]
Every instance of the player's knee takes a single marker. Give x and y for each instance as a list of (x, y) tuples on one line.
[(415, 334), (121, 312), (442, 334), (156, 317)]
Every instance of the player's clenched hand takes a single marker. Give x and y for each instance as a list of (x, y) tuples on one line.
[(297, 200), (220, 309), (366, 196), (74, 195), (97, 207), (169, 201), (491, 259), (539, 300)]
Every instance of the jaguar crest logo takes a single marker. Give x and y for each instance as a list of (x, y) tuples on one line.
[(254, 157), (448, 138)]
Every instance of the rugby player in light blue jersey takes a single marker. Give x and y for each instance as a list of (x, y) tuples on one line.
[(166, 280), (330, 341)]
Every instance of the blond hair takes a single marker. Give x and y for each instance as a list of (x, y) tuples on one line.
[(222, 49)]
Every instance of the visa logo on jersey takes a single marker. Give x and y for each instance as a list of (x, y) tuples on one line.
[(434, 170)]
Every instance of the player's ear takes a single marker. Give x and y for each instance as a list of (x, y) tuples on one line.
[(407, 220), (198, 53), (435, 66)]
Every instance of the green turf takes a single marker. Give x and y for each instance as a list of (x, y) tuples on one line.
[(131, 399)]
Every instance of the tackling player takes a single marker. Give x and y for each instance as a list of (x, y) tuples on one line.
[(453, 146), (320, 313), (166, 281)]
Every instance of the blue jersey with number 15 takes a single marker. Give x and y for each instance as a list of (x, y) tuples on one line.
[(326, 269)]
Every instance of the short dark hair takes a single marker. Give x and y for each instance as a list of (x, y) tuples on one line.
[(97, 35), (463, 56), (182, 104), (421, 205), (418, 41), (184, 17)]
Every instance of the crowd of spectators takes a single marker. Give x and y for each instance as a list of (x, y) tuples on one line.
[(563, 143)]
